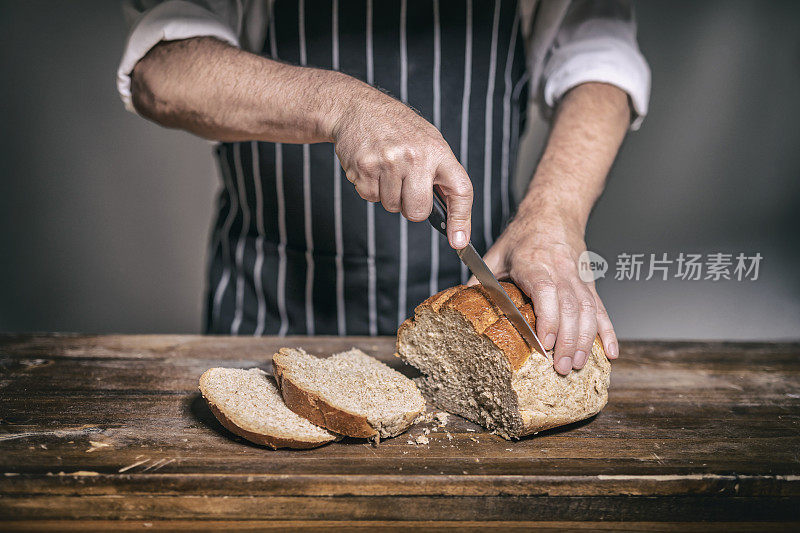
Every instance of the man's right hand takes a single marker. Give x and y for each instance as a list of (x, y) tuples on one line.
[(393, 155), (388, 152)]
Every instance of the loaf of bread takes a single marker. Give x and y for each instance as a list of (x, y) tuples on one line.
[(475, 364), (349, 393), (248, 403)]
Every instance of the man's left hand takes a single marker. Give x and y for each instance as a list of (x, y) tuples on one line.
[(539, 249), (541, 256)]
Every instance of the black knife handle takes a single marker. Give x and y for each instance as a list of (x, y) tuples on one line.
[(438, 216)]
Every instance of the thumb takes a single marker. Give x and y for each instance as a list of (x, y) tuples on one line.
[(456, 187)]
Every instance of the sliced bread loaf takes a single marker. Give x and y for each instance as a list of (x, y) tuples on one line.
[(350, 393), (475, 364), (248, 403)]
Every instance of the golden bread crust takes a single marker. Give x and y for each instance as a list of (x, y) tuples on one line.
[(474, 304), (263, 439)]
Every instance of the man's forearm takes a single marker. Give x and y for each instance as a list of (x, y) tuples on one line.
[(387, 151), (587, 132), (540, 248), (222, 93)]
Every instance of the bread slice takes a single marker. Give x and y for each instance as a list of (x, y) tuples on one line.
[(475, 364), (248, 403), (350, 393)]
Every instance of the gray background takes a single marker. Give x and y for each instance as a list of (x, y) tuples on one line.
[(104, 217)]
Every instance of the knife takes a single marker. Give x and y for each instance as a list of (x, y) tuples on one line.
[(470, 257)]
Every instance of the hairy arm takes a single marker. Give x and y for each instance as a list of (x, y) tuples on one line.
[(388, 152), (540, 248)]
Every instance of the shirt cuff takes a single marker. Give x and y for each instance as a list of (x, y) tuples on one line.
[(605, 60), (170, 21)]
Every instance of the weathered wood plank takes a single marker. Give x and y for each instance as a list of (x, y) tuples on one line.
[(467, 508), (390, 527), (93, 483)]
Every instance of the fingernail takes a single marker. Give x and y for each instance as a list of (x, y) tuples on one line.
[(580, 359), (460, 239), (564, 365), (613, 350), (549, 341)]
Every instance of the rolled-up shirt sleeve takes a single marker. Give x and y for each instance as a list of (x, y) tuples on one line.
[(597, 43), (153, 22)]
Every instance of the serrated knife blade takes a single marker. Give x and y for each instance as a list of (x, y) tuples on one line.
[(499, 296), (469, 256)]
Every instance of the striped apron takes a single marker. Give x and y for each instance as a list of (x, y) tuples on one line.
[(294, 249)]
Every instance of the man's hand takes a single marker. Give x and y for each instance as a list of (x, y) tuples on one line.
[(393, 155), (541, 256), (388, 152), (540, 248)]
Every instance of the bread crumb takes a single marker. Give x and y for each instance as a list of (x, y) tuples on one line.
[(471, 430), (449, 435), (442, 418), (426, 431), (422, 439), (96, 445), (424, 418)]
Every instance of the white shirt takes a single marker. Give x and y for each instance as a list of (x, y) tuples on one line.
[(568, 42)]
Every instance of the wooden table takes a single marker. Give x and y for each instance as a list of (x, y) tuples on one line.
[(100, 428)]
